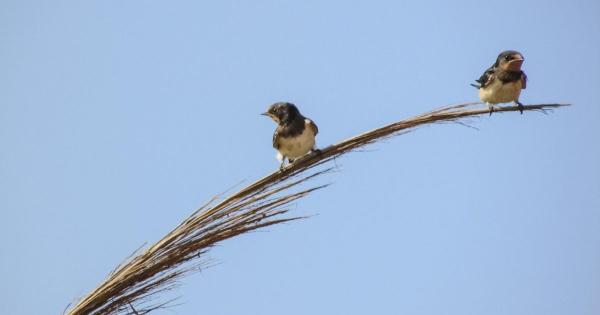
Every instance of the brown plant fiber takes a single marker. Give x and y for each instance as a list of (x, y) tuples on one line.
[(135, 285)]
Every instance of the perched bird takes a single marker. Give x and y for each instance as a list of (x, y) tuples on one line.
[(503, 81), (294, 135)]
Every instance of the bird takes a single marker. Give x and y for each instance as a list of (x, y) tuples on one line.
[(503, 81), (294, 135)]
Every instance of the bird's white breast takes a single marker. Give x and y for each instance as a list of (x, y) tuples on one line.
[(295, 147), (497, 92)]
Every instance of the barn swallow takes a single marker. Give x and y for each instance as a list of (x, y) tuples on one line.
[(503, 81), (294, 135)]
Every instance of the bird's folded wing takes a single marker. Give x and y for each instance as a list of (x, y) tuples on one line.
[(276, 139), (312, 126), (487, 77)]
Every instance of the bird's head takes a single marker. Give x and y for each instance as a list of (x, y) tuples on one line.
[(282, 112), (510, 60)]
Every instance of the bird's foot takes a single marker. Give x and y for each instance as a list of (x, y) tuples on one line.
[(315, 151), (520, 106), (491, 107), (282, 165)]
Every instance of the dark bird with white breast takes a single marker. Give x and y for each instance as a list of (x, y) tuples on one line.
[(294, 135), (503, 81)]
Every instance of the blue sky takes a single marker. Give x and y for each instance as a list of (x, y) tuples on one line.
[(119, 118)]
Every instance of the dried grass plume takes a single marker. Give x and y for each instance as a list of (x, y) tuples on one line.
[(135, 286)]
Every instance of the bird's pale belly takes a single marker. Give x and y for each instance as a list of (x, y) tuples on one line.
[(295, 147), (497, 92)]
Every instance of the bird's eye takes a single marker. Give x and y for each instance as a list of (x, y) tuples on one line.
[(507, 57)]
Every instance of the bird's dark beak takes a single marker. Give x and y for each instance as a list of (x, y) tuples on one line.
[(265, 114), (515, 64)]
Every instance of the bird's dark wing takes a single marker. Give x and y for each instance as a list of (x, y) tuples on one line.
[(523, 81), (313, 126), (276, 139), (485, 78)]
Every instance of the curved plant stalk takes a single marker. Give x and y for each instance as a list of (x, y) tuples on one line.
[(133, 286)]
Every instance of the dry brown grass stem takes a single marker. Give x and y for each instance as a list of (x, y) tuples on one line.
[(133, 286)]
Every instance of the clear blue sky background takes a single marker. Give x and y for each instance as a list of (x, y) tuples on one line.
[(119, 118)]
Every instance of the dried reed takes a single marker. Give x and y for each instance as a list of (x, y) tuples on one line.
[(133, 286)]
